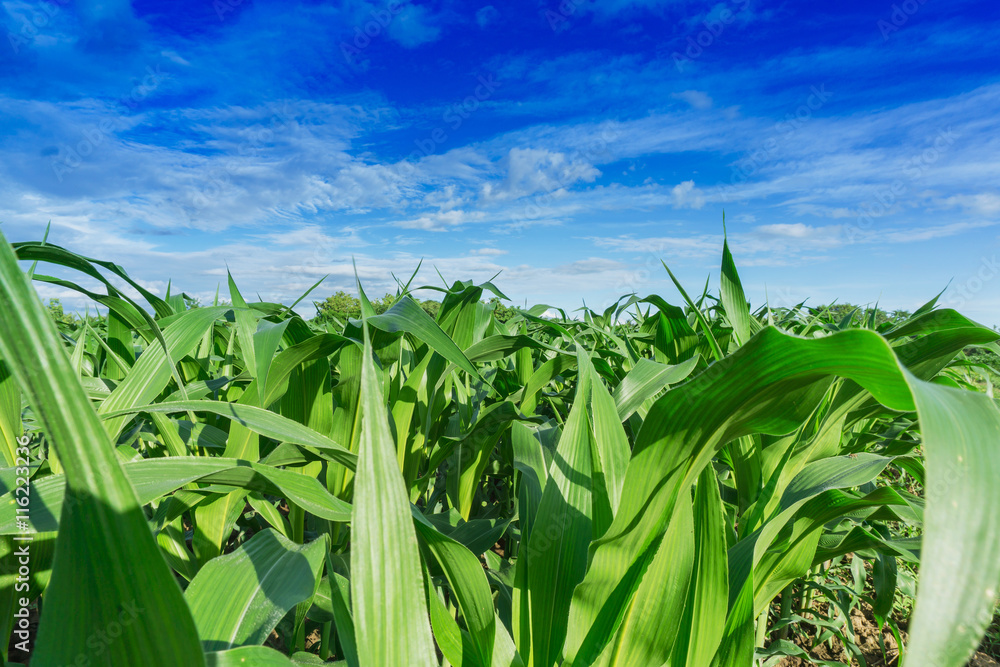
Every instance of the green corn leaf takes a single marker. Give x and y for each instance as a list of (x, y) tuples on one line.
[(340, 608), (265, 343), (153, 371), (704, 620), (455, 645), (173, 543), (214, 520), (473, 452), (155, 478), (542, 376), (390, 614), (770, 386), (10, 415), (465, 575), (107, 565), (959, 570), (256, 419), (288, 360), (47, 252), (713, 344), (646, 380), (733, 299), (494, 348), (257, 656), (406, 315), (556, 555), (649, 627), (262, 580), (270, 513)]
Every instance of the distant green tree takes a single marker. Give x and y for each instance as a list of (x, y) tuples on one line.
[(501, 312), (837, 312), (383, 304), (70, 323), (432, 308), (72, 320), (340, 306), (344, 306), (57, 313)]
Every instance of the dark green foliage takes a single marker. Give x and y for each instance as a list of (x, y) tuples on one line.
[(501, 312), (838, 311), (342, 306)]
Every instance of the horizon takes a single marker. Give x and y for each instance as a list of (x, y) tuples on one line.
[(569, 146)]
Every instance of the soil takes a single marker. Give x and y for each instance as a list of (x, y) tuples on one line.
[(865, 628), (867, 637), (315, 637)]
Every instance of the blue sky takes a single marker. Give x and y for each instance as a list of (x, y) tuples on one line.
[(855, 147)]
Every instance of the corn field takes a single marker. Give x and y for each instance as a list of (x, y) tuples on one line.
[(654, 484)]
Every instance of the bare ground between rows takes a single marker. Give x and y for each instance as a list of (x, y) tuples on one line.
[(867, 636), (865, 628)]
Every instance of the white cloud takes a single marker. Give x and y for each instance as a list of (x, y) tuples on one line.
[(781, 244), (414, 26), (897, 235), (591, 265), (487, 15), (696, 98), (667, 246), (986, 203), (794, 231), (686, 195), (314, 235), (532, 170), (322, 169), (411, 25), (442, 220)]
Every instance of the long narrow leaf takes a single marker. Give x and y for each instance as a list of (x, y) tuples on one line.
[(107, 565)]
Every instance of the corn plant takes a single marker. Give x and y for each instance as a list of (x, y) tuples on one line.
[(231, 484)]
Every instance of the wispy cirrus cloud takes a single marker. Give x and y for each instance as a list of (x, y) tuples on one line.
[(180, 136)]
